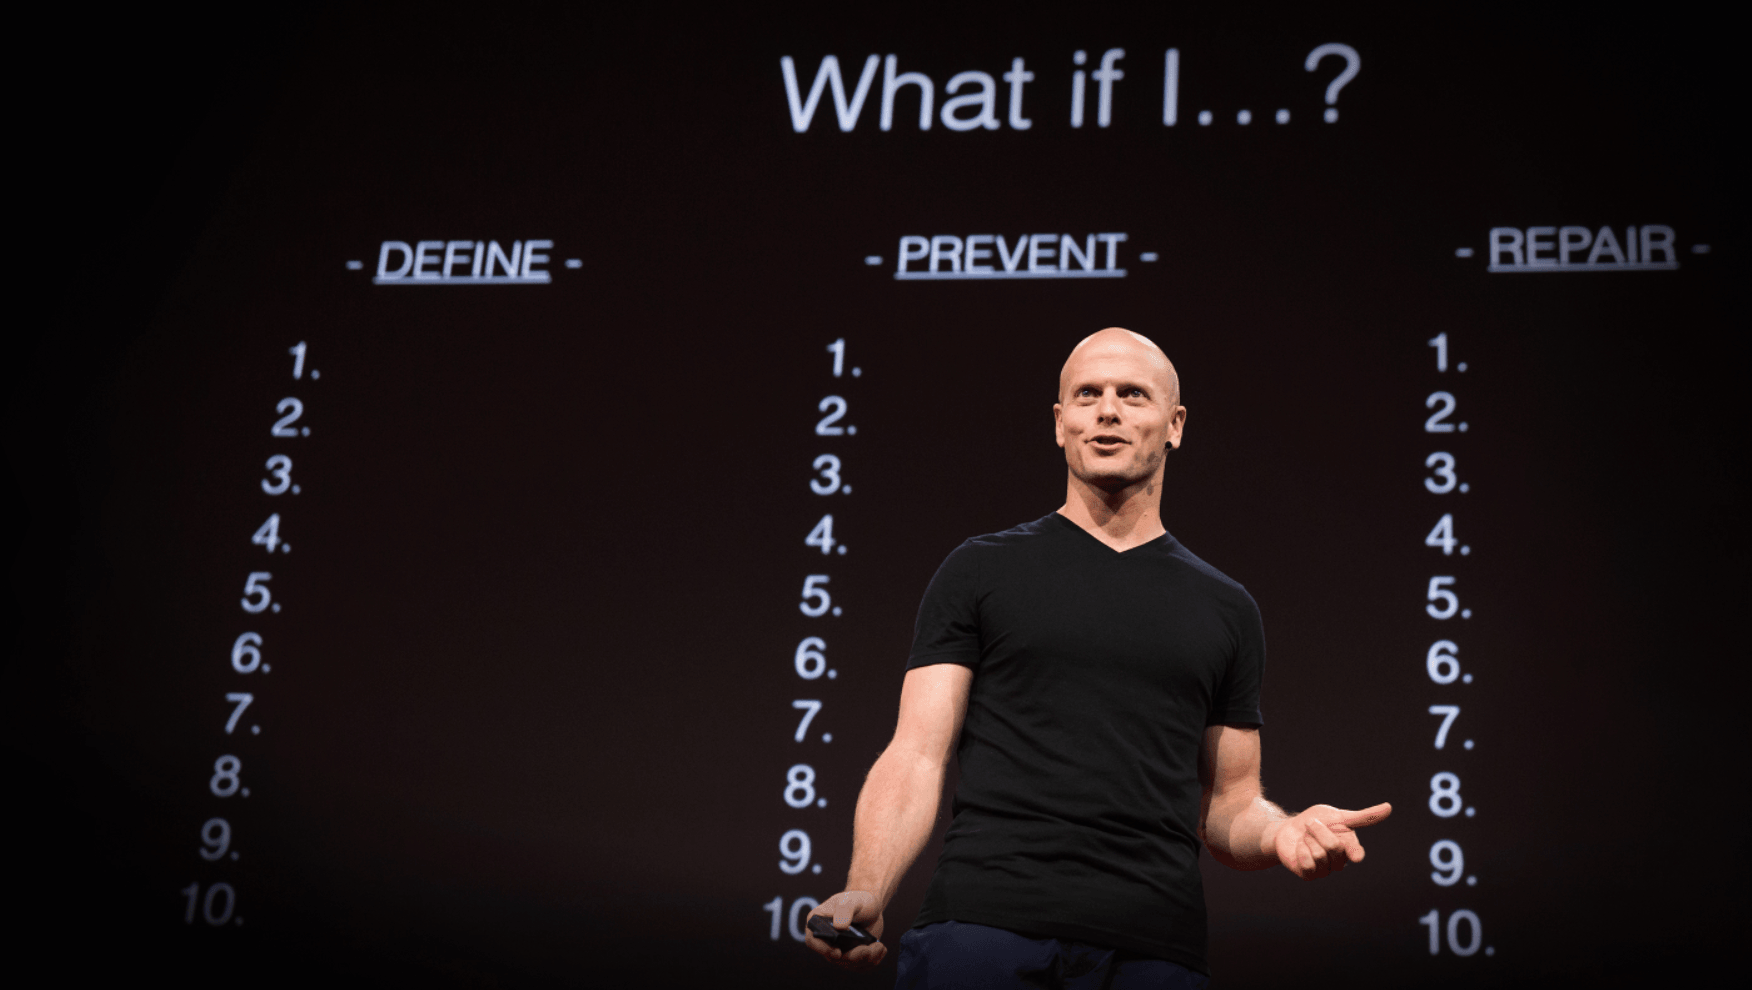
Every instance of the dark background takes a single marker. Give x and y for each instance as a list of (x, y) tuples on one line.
[(535, 698)]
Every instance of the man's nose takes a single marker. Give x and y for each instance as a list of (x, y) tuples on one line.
[(1108, 408)]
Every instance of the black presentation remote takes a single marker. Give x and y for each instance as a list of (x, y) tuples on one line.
[(821, 926)]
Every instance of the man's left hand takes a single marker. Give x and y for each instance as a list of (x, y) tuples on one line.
[(1322, 839)]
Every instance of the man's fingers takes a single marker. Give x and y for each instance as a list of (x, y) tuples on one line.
[(1300, 860), (843, 909), (1367, 816), (1353, 847), (809, 938), (821, 947), (1318, 866), (1333, 848), (867, 956), (1329, 837), (1320, 839), (847, 905), (862, 957)]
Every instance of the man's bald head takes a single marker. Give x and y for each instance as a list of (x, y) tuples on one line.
[(1118, 342), (1118, 412)]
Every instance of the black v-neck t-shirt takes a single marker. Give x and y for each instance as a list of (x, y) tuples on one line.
[(1096, 673)]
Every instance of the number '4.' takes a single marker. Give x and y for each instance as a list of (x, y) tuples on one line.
[(269, 535), (822, 535), (1443, 535)]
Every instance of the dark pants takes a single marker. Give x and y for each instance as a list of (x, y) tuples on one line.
[(954, 955)]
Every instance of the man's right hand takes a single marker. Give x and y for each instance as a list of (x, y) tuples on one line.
[(845, 908), (897, 806)]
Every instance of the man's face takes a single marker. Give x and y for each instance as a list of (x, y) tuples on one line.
[(1118, 411)]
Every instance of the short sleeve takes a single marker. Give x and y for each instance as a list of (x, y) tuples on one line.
[(948, 626), (1236, 701)]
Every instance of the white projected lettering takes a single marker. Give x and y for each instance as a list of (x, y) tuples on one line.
[(218, 905), (1104, 77), (803, 111), (1582, 249), (1441, 661), (971, 105), (802, 792), (463, 263), (947, 256), (970, 97), (1353, 63)]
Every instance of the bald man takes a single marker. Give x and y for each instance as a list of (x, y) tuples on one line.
[(1100, 685)]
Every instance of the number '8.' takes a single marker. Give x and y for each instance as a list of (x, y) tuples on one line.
[(225, 771), (800, 786), (1445, 799)]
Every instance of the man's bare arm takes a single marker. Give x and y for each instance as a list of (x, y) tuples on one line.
[(1236, 815), (898, 804), (1246, 832)]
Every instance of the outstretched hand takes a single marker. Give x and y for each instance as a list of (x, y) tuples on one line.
[(1323, 839), (845, 908)]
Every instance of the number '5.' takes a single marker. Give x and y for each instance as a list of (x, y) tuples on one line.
[(1450, 602), (812, 588), (255, 592)]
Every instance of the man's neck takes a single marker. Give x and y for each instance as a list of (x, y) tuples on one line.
[(1129, 517)]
